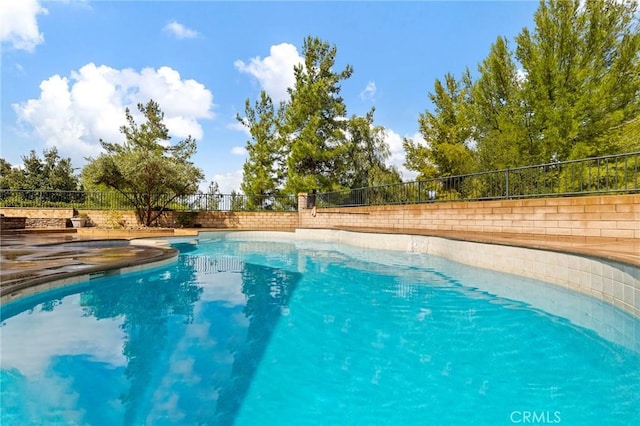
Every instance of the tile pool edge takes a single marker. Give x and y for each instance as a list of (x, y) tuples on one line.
[(611, 281), (614, 282)]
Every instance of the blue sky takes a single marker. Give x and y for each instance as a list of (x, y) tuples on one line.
[(69, 68)]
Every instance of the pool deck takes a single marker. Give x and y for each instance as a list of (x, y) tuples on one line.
[(29, 258), (34, 256)]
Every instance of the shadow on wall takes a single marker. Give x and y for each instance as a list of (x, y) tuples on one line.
[(12, 222)]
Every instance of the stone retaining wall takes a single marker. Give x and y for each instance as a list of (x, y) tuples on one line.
[(12, 222), (213, 219), (38, 213), (37, 217), (609, 216), (51, 222)]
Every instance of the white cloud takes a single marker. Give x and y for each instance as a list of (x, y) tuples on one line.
[(56, 339), (229, 181), (634, 3), (239, 150), (369, 92), (397, 158), (240, 127), (18, 24), (179, 31), (73, 113), (275, 72), (521, 76), (222, 287)]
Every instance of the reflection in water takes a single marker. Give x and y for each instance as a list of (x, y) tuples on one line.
[(367, 336), (191, 337), (145, 305), (268, 291)]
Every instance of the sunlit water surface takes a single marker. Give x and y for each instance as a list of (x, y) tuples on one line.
[(270, 333)]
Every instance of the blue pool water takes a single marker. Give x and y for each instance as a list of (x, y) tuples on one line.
[(282, 333)]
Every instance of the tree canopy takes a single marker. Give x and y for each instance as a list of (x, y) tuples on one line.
[(570, 89), (367, 153), (148, 171), (567, 88), (582, 63), (44, 174), (309, 142), (262, 170), (448, 131), (315, 120)]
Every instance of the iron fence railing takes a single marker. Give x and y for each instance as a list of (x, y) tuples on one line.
[(99, 200), (607, 174)]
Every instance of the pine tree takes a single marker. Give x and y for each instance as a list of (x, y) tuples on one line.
[(499, 119), (315, 121), (582, 65), (367, 154), (262, 171), (448, 131), (51, 173)]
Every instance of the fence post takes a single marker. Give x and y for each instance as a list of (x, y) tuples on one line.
[(506, 172), (311, 199)]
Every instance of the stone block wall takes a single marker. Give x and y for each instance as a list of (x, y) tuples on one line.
[(249, 220), (39, 217), (12, 222), (613, 216), (212, 219), (113, 219), (36, 212), (47, 222)]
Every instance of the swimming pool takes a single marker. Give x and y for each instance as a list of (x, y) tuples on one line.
[(243, 331)]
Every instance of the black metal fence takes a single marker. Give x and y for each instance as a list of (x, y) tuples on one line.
[(607, 174), (98, 200)]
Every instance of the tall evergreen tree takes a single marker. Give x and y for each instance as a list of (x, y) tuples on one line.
[(5, 173), (308, 142), (610, 68), (583, 75), (315, 121), (448, 131), (498, 116), (550, 59), (263, 174), (51, 173), (577, 94), (59, 172), (367, 154)]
